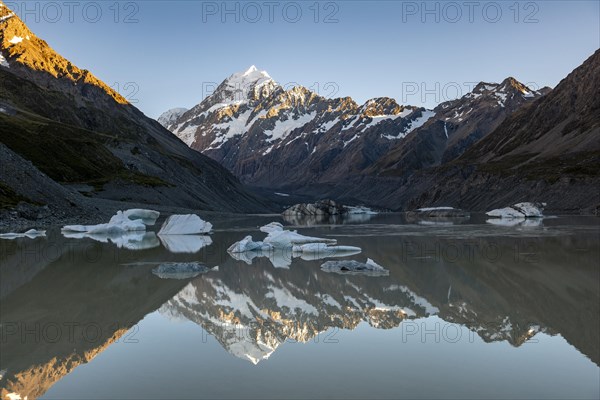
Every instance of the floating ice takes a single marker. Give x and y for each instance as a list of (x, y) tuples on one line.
[(119, 223), (189, 244), (180, 270), (30, 234), (272, 227), (519, 210), (360, 210), (281, 246), (291, 238), (149, 217), (354, 267), (247, 244), (189, 224)]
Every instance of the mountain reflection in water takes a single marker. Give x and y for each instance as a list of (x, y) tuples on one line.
[(64, 301)]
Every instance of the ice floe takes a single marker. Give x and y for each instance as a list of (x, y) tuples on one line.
[(30, 234), (119, 223), (519, 210), (189, 224), (370, 268), (281, 246), (180, 270)]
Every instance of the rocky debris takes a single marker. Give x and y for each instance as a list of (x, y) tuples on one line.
[(322, 207), (519, 211), (180, 270), (370, 268)]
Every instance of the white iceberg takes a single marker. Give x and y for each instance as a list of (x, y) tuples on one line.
[(360, 210), (352, 267), (247, 244), (189, 224), (119, 223), (149, 217), (30, 234), (272, 227), (292, 238), (188, 244), (281, 246), (180, 270), (519, 210)]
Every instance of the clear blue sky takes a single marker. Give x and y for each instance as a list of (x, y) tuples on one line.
[(173, 51)]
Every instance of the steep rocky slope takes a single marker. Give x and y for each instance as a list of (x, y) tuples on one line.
[(77, 130), (547, 152)]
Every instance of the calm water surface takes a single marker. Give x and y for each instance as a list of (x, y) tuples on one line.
[(469, 310)]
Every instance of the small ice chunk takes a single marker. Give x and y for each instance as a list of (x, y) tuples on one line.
[(359, 210), (352, 267), (189, 224), (293, 238), (247, 244), (188, 244), (180, 270), (519, 210), (272, 227), (30, 234)]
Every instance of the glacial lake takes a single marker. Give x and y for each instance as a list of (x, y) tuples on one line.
[(469, 310)]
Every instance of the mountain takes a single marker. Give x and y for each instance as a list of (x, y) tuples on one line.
[(79, 132), (456, 126), (548, 151), (297, 141), (272, 137), (170, 116)]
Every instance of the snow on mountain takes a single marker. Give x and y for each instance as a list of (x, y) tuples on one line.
[(170, 116), (251, 123)]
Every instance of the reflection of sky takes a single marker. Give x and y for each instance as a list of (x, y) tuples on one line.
[(169, 56), (183, 361)]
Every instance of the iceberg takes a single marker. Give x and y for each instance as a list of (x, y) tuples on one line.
[(189, 224), (272, 227), (30, 234), (290, 238), (281, 246), (352, 267), (247, 244), (180, 270), (119, 223), (519, 210), (185, 244)]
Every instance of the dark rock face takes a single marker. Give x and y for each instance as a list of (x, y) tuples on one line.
[(320, 208), (456, 126), (75, 129)]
